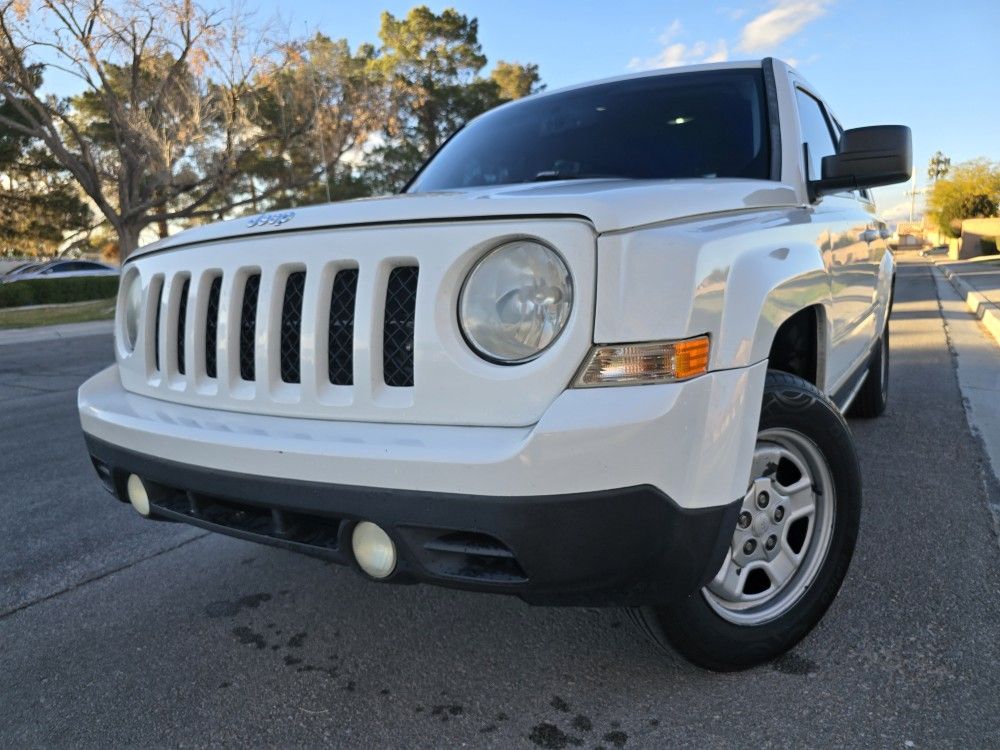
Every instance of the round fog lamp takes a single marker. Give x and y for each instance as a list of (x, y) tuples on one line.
[(137, 494), (373, 549)]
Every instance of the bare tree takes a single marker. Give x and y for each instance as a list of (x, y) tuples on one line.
[(167, 112)]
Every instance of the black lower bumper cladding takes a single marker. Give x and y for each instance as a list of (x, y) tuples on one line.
[(625, 547)]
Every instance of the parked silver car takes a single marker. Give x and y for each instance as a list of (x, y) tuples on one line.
[(59, 269), (17, 270)]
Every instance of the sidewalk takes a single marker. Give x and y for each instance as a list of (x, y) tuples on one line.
[(978, 282), (51, 333)]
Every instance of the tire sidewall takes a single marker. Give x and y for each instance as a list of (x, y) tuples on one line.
[(883, 367)]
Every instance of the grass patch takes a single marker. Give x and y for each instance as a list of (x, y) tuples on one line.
[(75, 312)]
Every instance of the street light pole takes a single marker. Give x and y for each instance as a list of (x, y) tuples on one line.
[(913, 194)]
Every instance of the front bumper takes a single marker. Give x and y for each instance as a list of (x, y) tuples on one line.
[(617, 496), (630, 546)]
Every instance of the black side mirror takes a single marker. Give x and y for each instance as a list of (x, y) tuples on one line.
[(868, 157)]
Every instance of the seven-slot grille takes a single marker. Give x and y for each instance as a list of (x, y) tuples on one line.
[(397, 334)]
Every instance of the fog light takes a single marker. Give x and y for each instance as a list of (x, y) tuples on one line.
[(137, 495), (373, 549)]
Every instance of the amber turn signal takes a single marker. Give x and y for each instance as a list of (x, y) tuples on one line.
[(638, 364)]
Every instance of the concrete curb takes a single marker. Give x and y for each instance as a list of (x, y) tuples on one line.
[(987, 312), (52, 333)]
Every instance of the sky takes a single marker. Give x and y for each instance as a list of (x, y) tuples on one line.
[(931, 65)]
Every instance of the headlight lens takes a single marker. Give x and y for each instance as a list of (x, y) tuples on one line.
[(131, 303), (516, 302)]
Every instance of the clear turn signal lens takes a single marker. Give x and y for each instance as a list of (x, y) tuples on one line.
[(638, 364)]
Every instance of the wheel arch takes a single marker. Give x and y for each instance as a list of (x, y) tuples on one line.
[(799, 344), (772, 294)]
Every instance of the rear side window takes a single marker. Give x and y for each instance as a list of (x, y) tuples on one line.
[(816, 132)]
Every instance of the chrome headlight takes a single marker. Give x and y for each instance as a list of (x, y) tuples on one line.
[(131, 303), (515, 302)]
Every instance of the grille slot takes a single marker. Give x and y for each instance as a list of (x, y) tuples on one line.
[(212, 327), (291, 327), (181, 324), (397, 336), (248, 328), (156, 329), (340, 334)]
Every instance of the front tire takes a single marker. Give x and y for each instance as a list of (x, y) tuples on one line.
[(791, 546)]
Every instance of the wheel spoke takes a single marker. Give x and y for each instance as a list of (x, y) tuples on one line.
[(728, 583), (765, 458), (783, 566), (801, 499)]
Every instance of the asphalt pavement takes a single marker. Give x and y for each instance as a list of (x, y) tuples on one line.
[(118, 631)]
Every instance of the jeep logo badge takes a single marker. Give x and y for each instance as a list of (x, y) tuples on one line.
[(274, 220)]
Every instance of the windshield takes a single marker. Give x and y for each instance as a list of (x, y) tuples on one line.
[(682, 125)]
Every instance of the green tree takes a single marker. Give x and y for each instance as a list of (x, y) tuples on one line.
[(427, 61), (317, 106), (40, 205), (971, 191), (514, 80), (430, 66)]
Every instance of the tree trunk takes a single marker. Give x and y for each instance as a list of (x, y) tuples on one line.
[(253, 194), (161, 228), (128, 240)]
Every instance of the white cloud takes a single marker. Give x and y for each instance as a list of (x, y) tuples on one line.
[(898, 211), (787, 18), (721, 53), (679, 53), (671, 32)]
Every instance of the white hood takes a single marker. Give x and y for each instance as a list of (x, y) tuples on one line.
[(609, 204)]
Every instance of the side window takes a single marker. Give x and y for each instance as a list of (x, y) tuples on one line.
[(816, 132)]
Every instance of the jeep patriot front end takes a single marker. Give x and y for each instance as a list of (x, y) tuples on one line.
[(595, 354)]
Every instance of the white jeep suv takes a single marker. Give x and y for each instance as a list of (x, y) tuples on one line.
[(597, 353)]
